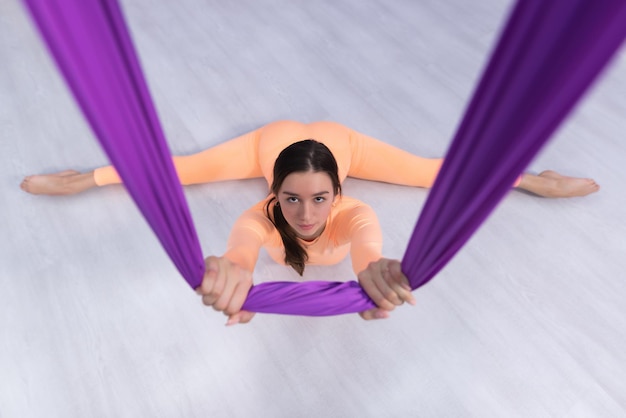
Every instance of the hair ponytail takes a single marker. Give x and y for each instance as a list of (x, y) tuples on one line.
[(295, 254)]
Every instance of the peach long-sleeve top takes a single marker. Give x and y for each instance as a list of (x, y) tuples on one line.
[(352, 228)]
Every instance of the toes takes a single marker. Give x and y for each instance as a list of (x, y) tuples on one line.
[(24, 184)]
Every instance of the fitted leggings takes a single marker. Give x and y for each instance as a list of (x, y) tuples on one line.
[(253, 155)]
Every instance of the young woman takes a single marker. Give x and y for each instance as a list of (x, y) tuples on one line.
[(305, 219)]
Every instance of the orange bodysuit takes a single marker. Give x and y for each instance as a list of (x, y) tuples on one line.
[(253, 154), (352, 226)]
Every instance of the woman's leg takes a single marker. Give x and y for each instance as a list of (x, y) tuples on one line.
[(232, 160), (373, 159), (235, 159)]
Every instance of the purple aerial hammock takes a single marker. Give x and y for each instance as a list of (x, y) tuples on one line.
[(548, 54)]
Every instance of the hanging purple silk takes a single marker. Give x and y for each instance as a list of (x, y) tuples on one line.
[(548, 55), (92, 47)]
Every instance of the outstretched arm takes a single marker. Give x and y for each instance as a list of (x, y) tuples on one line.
[(228, 279), (381, 278)]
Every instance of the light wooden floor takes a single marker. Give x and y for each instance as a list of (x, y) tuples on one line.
[(529, 320)]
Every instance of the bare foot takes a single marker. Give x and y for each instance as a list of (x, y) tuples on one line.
[(62, 183), (551, 184)]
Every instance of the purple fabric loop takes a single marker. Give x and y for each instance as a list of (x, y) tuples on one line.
[(547, 56), (316, 298)]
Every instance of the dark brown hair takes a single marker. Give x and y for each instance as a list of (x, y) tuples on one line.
[(300, 157)]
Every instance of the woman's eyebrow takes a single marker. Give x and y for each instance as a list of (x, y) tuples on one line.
[(297, 195)]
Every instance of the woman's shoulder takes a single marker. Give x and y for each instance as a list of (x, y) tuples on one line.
[(257, 214), (351, 215), (347, 202), (348, 210), (261, 205)]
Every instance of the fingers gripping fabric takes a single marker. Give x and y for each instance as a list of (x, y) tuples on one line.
[(547, 56)]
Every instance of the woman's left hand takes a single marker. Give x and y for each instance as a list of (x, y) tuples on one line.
[(225, 286), (388, 287)]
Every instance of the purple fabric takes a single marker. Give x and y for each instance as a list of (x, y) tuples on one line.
[(317, 298), (548, 54), (92, 47)]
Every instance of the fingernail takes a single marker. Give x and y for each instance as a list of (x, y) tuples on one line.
[(232, 321), (381, 315)]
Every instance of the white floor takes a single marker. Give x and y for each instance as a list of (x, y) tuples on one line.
[(527, 321)]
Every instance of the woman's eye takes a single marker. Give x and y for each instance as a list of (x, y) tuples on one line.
[(292, 199), (319, 199)]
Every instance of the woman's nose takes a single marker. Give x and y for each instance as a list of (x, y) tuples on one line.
[(305, 211)]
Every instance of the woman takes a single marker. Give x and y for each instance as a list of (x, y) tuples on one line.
[(305, 220)]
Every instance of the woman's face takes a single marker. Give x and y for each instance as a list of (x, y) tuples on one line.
[(305, 200)]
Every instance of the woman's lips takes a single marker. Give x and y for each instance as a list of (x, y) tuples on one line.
[(306, 227)]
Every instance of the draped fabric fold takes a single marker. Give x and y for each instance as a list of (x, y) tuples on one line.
[(548, 54)]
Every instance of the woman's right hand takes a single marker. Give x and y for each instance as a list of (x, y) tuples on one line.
[(224, 287), (385, 283)]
